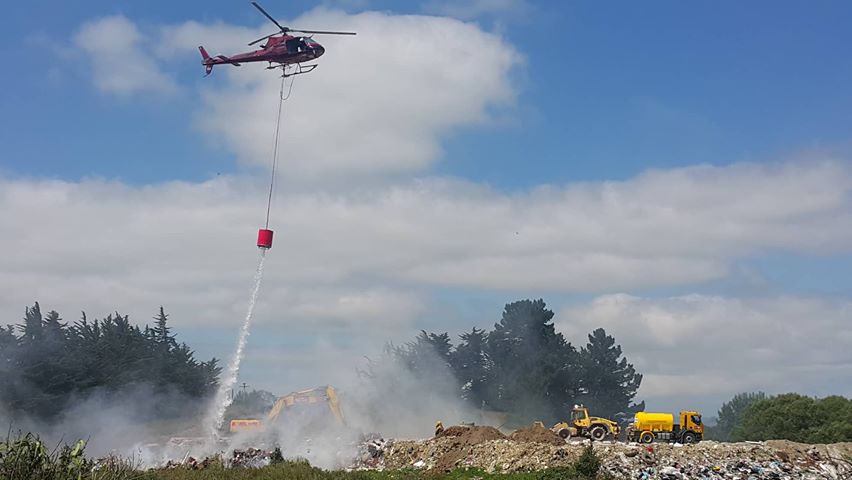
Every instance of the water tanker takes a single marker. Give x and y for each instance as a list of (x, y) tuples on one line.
[(660, 427)]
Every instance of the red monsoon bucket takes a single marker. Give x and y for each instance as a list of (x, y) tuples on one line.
[(264, 238)]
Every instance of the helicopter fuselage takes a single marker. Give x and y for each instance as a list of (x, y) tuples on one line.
[(284, 50)]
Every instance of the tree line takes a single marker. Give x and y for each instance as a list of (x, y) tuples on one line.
[(756, 416), (522, 367), (46, 363)]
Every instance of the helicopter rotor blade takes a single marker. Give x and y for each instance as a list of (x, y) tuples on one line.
[(283, 29), (322, 32), (263, 38)]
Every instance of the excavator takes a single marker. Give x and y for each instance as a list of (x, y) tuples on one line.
[(321, 402), (582, 425)]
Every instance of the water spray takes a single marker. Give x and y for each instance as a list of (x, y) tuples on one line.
[(224, 396)]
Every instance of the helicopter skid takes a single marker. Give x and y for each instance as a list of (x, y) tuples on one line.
[(300, 69)]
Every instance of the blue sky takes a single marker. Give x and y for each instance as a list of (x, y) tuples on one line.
[(724, 124), (608, 90)]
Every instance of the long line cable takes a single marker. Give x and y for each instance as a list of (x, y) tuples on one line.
[(281, 99)]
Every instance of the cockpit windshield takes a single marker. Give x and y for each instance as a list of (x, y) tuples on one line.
[(696, 419)]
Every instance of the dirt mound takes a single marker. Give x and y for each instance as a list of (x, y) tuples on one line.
[(537, 434), (472, 435), (456, 443)]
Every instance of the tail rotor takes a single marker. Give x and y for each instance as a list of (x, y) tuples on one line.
[(208, 62)]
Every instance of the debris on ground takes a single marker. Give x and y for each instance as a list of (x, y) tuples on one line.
[(528, 449), (250, 458), (472, 434)]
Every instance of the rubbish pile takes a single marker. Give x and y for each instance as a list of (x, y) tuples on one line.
[(531, 449), (250, 458), (370, 452), (190, 463)]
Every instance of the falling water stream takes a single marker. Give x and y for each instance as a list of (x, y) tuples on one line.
[(229, 378)]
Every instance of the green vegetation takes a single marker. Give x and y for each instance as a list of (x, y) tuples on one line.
[(28, 458), (588, 465), (730, 414), (45, 362), (799, 418), (523, 367)]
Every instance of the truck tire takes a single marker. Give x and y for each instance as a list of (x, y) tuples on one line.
[(646, 437), (564, 433), (689, 437), (598, 432)]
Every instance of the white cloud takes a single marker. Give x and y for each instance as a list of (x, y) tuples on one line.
[(378, 103), (364, 255), (703, 349), (120, 64), (470, 9), (363, 263)]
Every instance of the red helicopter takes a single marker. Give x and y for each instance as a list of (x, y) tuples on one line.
[(282, 50)]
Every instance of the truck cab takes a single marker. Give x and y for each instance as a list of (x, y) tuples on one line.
[(691, 422)]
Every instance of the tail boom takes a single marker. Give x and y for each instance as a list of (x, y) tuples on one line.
[(208, 62)]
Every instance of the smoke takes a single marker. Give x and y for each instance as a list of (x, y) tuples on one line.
[(384, 397), (399, 393), (116, 423)]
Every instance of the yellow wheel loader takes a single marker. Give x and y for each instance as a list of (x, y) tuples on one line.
[(582, 425)]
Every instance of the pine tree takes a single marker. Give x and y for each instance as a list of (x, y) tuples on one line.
[(609, 383), (472, 366), (161, 331), (54, 330), (32, 327), (51, 362), (534, 366)]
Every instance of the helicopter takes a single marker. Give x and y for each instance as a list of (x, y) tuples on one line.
[(279, 51)]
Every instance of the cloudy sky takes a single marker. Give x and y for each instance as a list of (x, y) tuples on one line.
[(678, 174)]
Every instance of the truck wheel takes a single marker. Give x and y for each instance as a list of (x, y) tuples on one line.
[(564, 433), (689, 437), (598, 433), (646, 437)]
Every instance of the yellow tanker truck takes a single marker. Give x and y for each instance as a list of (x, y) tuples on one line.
[(660, 427)]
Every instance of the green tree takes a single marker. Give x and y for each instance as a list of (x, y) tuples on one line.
[(160, 332), (33, 325), (472, 367), (796, 417), (609, 383), (731, 413), (50, 362), (534, 367)]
